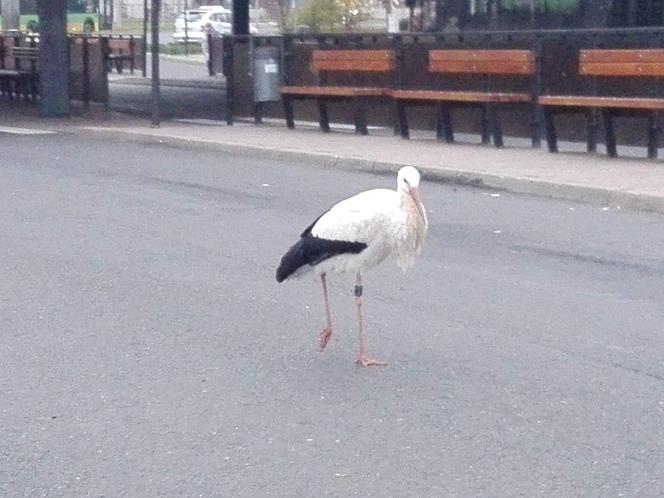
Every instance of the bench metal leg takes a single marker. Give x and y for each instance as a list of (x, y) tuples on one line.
[(403, 119), (496, 130), (444, 129), (591, 124), (21, 89), (34, 87), (610, 133), (485, 126), (360, 117), (323, 116), (14, 92), (258, 113), (395, 120), (653, 135), (288, 112), (536, 127), (550, 130)]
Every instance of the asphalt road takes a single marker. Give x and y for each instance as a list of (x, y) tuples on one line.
[(148, 351)]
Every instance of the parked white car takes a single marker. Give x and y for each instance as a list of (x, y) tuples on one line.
[(217, 20), (191, 28)]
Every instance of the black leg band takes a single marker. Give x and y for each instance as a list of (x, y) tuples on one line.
[(358, 290)]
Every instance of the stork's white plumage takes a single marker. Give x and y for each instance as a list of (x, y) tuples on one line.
[(357, 234)]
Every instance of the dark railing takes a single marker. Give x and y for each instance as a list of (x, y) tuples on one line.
[(89, 58), (556, 51)]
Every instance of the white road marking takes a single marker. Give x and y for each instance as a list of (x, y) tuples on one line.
[(24, 131)]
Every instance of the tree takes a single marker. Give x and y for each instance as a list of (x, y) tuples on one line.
[(321, 15), (352, 12)]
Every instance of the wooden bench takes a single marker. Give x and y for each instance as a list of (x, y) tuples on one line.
[(20, 80), (121, 50), (485, 63), (648, 63), (363, 62)]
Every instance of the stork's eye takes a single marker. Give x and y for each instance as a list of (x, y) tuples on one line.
[(406, 181)]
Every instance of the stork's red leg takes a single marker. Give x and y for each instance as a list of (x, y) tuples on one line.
[(362, 358), (326, 334)]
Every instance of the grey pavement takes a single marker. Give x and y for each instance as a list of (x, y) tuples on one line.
[(187, 90), (171, 67), (627, 182), (630, 182), (148, 351), (179, 99)]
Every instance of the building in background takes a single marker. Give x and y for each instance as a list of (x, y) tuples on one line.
[(543, 14), (133, 9)]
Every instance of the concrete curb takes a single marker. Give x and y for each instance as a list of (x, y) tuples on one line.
[(563, 191)]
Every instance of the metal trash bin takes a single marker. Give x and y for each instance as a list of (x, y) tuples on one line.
[(266, 77), (267, 74)]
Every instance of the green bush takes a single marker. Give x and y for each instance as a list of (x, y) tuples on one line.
[(179, 49), (321, 15)]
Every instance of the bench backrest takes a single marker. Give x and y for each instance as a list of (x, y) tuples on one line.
[(355, 61), (647, 62), (515, 62), (121, 46)]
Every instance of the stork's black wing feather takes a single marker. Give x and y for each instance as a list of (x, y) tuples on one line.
[(310, 250)]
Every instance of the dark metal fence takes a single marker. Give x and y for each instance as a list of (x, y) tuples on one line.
[(90, 57), (557, 56)]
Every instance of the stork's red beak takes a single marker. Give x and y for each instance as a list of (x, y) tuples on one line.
[(415, 194)]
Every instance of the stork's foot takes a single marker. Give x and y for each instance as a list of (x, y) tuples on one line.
[(324, 338), (369, 362)]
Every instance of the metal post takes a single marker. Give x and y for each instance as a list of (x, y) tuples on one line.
[(241, 17), (156, 114), (146, 15), (186, 28), (132, 53), (86, 72), (211, 54), (106, 50), (228, 61)]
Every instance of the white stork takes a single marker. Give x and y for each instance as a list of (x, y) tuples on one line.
[(356, 234)]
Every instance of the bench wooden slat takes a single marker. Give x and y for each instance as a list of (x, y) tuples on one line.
[(460, 96), (335, 91), (482, 61), (374, 61), (481, 67), (354, 66), (335, 55), (599, 102), (483, 55), (622, 69), (118, 44), (622, 55)]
